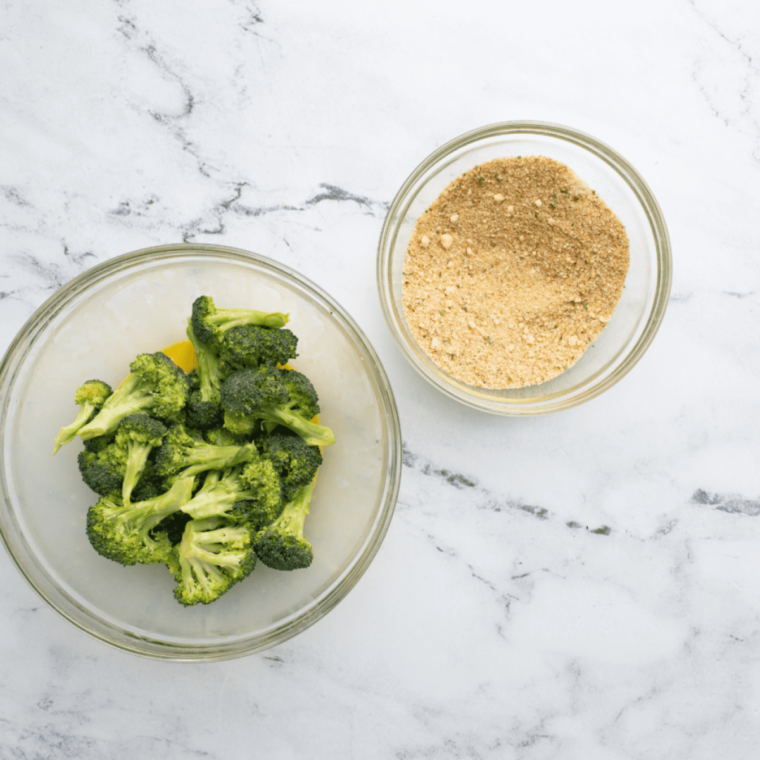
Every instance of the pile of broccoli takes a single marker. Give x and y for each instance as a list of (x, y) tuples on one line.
[(205, 472)]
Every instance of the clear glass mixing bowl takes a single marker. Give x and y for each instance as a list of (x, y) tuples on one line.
[(93, 327)]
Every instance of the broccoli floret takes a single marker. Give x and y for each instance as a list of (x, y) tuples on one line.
[(260, 476), (203, 404), (201, 414), (123, 532), (220, 436), (276, 396), (282, 545), (240, 425), (244, 494), (90, 397), (211, 558), (99, 443), (210, 323), (101, 474), (254, 345), (136, 436), (156, 385), (119, 464), (182, 454), (295, 461)]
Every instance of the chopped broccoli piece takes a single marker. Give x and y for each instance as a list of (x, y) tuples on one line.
[(181, 454), (90, 397), (203, 404), (118, 462), (282, 545), (260, 476), (294, 460), (210, 323), (156, 385), (201, 414), (211, 558), (122, 532), (101, 474), (136, 436), (254, 345), (99, 443), (277, 396), (242, 494)]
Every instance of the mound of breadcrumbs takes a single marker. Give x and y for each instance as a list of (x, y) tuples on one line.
[(512, 272)]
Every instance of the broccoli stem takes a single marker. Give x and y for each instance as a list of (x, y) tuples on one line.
[(149, 513), (204, 542), (208, 367), (217, 457), (69, 432), (215, 501), (194, 569), (313, 434), (136, 459), (130, 397), (293, 516), (226, 319)]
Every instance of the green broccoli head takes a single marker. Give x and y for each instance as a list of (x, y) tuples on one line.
[(254, 345), (170, 456), (260, 477), (156, 385), (209, 323), (166, 383), (124, 532), (211, 558), (203, 414), (294, 460), (240, 425), (282, 545), (90, 396), (199, 414), (221, 436), (99, 443), (93, 392), (136, 436), (277, 396), (101, 474), (140, 429)]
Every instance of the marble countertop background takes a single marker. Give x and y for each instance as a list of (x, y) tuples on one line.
[(582, 585)]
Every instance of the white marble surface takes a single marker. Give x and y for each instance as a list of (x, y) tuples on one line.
[(583, 585)]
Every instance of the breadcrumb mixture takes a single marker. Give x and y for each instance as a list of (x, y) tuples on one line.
[(513, 272)]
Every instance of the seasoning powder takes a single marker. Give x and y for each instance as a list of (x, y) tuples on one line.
[(513, 272)]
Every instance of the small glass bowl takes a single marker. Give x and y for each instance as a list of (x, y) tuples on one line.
[(92, 328), (640, 310)]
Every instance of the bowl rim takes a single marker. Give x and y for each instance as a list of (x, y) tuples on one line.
[(330, 596), (478, 398)]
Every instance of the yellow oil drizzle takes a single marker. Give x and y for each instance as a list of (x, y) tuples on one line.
[(182, 354)]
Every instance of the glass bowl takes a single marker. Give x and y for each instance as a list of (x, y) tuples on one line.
[(93, 327), (640, 310)]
